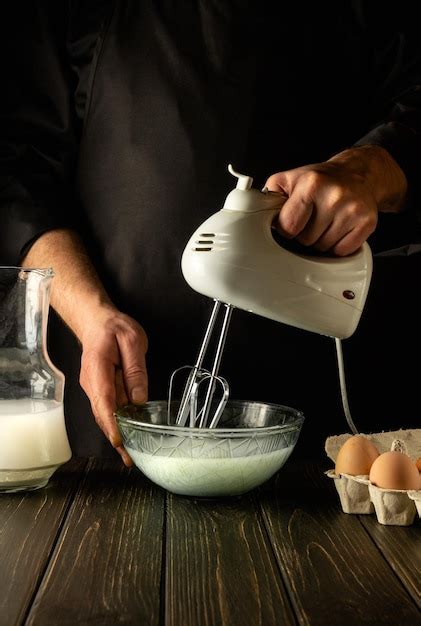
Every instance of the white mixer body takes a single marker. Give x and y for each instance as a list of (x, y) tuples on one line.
[(234, 258)]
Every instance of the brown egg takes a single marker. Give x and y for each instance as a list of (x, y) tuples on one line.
[(356, 456), (395, 470), (418, 464)]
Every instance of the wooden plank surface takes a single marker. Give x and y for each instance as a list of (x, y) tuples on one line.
[(220, 567), (106, 567), (96, 547), (402, 549), (29, 524), (334, 572)]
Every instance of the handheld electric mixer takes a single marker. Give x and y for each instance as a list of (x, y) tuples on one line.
[(234, 259)]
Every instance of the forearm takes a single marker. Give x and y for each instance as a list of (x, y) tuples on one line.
[(113, 366), (76, 289), (380, 171)]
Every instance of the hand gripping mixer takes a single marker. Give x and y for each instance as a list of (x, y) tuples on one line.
[(234, 259)]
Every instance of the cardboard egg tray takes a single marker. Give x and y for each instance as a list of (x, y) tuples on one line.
[(357, 495)]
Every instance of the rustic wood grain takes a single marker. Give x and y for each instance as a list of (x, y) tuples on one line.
[(29, 524), (334, 572), (220, 569), (99, 551), (106, 567), (401, 546)]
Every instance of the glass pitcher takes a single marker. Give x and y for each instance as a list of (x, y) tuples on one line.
[(33, 437)]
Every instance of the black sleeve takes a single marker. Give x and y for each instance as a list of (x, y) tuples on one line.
[(38, 127), (396, 89)]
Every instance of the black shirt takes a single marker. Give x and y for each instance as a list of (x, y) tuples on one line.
[(120, 120)]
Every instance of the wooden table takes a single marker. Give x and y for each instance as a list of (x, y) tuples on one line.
[(102, 545)]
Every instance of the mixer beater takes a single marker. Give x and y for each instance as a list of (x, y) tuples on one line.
[(191, 408)]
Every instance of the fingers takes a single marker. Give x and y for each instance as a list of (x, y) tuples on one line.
[(97, 379), (350, 243), (295, 216), (113, 369), (325, 208), (104, 386), (297, 212), (121, 395), (125, 456), (133, 362), (341, 228), (121, 400)]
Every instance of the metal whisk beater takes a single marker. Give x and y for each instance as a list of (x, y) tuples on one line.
[(192, 408)]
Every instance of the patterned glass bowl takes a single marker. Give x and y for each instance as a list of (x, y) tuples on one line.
[(251, 443)]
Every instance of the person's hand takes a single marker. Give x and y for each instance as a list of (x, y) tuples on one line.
[(113, 368), (333, 206)]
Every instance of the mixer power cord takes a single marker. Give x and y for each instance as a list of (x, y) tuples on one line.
[(342, 383)]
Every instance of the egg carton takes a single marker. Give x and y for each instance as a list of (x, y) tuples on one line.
[(393, 507)]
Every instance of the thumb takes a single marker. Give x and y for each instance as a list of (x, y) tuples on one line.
[(279, 182)]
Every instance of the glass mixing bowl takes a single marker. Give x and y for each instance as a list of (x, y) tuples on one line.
[(252, 442)]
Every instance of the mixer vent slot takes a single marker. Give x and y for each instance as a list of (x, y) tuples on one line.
[(206, 239)]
